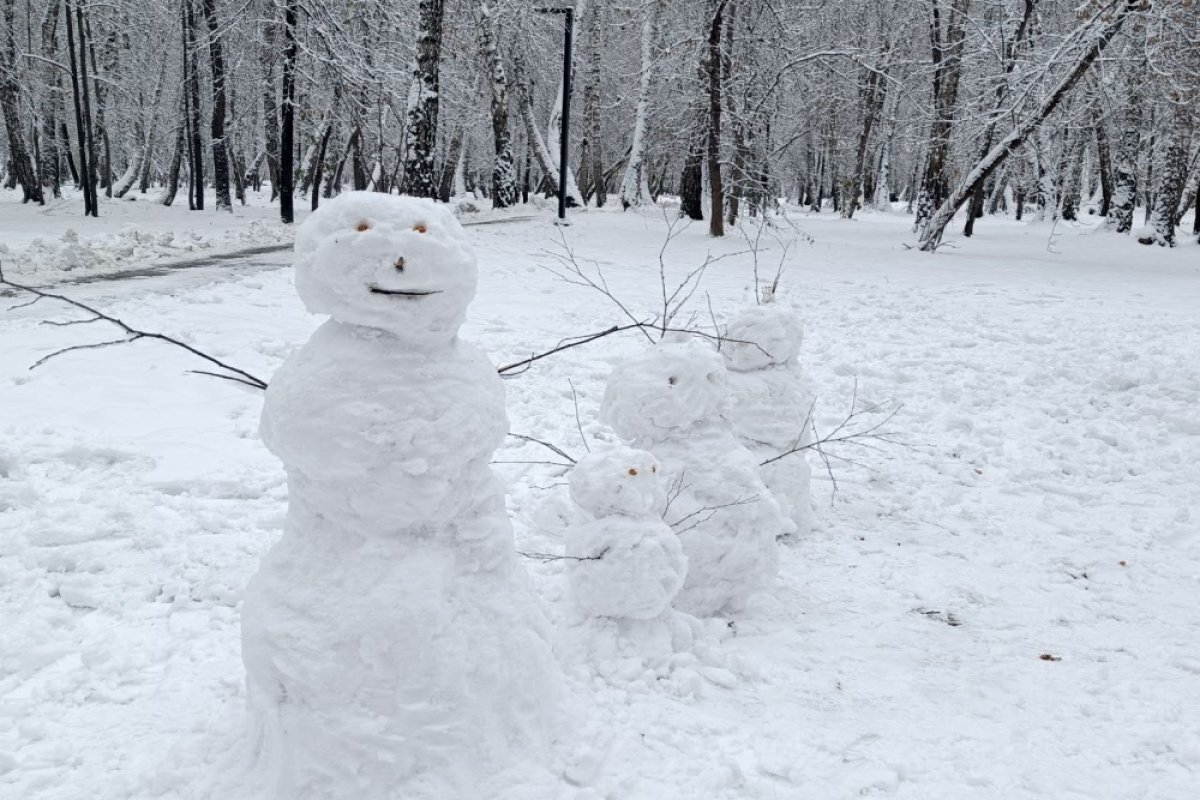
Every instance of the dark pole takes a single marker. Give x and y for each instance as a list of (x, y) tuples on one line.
[(565, 131), (565, 121)]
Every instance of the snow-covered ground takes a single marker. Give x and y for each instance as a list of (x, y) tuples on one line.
[(1005, 609)]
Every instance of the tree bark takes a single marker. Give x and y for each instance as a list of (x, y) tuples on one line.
[(716, 217), (287, 146), (504, 173), (635, 185), (420, 177), (220, 150), (947, 49)]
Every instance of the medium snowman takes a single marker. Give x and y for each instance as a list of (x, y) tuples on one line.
[(673, 401), (391, 642), (774, 403)]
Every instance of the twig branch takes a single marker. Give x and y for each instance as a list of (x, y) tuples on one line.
[(553, 557), (131, 335), (558, 451)]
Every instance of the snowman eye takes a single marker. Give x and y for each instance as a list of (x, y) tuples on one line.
[(419, 227), (672, 380), (654, 469), (632, 471), (362, 226)]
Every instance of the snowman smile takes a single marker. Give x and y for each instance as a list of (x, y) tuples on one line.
[(381, 290)]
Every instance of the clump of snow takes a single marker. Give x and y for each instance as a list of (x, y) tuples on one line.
[(673, 400), (627, 562), (762, 336), (391, 642), (773, 402), (131, 244)]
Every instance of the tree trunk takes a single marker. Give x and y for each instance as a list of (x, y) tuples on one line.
[(10, 90), (947, 48), (1173, 173), (287, 146), (716, 217), (873, 99), (192, 88), (1104, 157), (504, 173), (420, 177), (52, 104), (450, 165), (591, 109), (220, 150), (635, 185)]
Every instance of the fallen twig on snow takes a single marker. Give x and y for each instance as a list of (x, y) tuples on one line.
[(131, 335)]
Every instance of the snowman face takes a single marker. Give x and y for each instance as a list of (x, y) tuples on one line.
[(661, 392), (401, 264), (618, 480)]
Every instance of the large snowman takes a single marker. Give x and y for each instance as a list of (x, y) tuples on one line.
[(392, 646)]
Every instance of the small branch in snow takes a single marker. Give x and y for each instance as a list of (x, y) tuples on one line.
[(558, 451), (131, 335), (578, 422), (553, 557), (708, 513)]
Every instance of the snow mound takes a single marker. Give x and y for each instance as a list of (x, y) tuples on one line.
[(129, 246), (765, 335)]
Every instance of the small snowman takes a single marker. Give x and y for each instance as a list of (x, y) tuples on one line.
[(673, 401), (392, 645), (773, 403), (626, 563)]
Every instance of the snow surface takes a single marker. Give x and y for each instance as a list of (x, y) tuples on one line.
[(1050, 508)]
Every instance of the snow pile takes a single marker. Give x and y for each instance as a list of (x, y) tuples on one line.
[(391, 642), (673, 401), (773, 403), (72, 252)]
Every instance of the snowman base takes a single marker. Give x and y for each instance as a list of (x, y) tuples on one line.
[(385, 668)]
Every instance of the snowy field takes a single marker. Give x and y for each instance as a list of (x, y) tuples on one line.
[(1006, 608)]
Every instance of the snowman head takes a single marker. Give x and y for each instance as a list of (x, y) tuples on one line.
[(659, 393), (400, 264), (618, 480), (766, 335)]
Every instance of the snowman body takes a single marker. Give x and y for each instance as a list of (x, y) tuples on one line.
[(773, 402), (391, 643), (673, 401)]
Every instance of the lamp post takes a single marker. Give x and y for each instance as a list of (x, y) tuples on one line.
[(565, 126)]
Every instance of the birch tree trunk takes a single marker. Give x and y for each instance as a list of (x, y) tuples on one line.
[(420, 175), (504, 172), (635, 185)]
